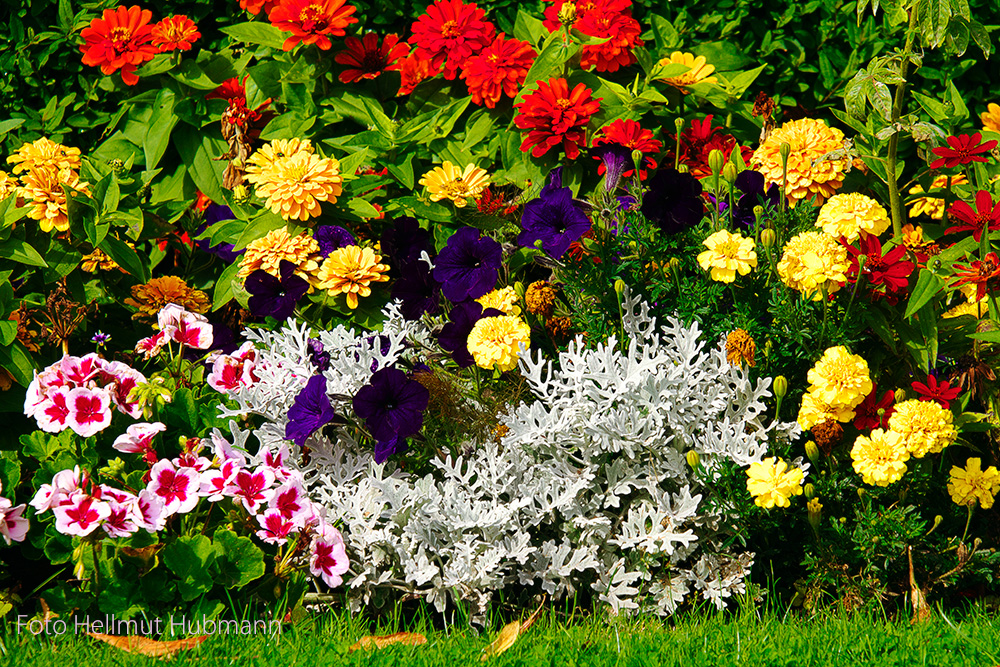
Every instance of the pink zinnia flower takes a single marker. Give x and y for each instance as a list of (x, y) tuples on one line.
[(81, 515), (90, 410), (176, 487)]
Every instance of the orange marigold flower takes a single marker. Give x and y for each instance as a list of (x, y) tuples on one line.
[(413, 69), (365, 59), (150, 298), (553, 115), (611, 20), (119, 40), (498, 69), (449, 33), (629, 134), (256, 6), (310, 21), (175, 32)]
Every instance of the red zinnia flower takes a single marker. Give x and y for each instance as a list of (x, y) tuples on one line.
[(866, 415), (119, 40), (986, 214), (553, 115), (230, 89), (366, 59), (413, 69), (175, 32), (449, 33), (942, 393), (310, 21), (629, 134), (498, 69), (962, 149), (250, 121), (889, 269), (608, 19), (983, 274), (255, 6), (698, 142)]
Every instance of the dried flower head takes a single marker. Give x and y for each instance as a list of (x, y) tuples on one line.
[(540, 298), (827, 435), (740, 348)]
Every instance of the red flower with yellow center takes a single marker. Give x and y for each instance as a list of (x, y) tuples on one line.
[(450, 33), (365, 59), (412, 70), (985, 215), (553, 115), (119, 40), (499, 69), (629, 134), (697, 143), (890, 270), (175, 32), (963, 150), (310, 21), (984, 274), (611, 20)]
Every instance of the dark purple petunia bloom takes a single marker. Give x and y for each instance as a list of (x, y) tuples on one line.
[(275, 297), (402, 242), (617, 160), (392, 405), (317, 356), (673, 201), (751, 184), (331, 237), (554, 218), (468, 267), (417, 289), (386, 448), (225, 251), (310, 411), (454, 336)]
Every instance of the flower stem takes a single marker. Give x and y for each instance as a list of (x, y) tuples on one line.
[(895, 203)]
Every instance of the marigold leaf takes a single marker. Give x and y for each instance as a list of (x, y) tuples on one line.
[(379, 642), (146, 646)]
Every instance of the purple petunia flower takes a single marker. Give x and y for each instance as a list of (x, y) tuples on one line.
[(468, 267), (553, 218), (386, 448), (617, 160), (275, 296), (673, 201), (310, 411), (751, 184), (454, 336), (392, 406), (417, 289), (225, 251), (317, 356), (402, 242), (331, 237)]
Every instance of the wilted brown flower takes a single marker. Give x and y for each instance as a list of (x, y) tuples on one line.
[(559, 328), (540, 298), (98, 260), (740, 348), (150, 298), (827, 435)]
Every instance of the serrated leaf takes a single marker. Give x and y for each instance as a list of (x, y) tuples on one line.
[(146, 646), (379, 642), (880, 98)]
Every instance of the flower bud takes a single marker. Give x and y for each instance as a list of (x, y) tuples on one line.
[(241, 195), (809, 491), (682, 168), (679, 124), (862, 493), (729, 172), (715, 161), (117, 166), (812, 451), (693, 459), (758, 213), (784, 150), (900, 395), (768, 238), (567, 14), (619, 287), (815, 508), (780, 386), (637, 156)]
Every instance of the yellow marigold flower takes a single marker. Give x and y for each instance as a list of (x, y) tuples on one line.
[(502, 299), (970, 484), (852, 215), (48, 201), (813, 262), (727, 253), (840, 378), (881, 458), (926, 427), (771, 483), (740, 348), (450, 182), (813, 411), (699, 72), (495, 341), (149, 299), (932, 207), (991, 117), (978, 310), (809, 139), (44, 155), (294, 185), (351, 270), (8, 185), (540, 298), (267, 252)]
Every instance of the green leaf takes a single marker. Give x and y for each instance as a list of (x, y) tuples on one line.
[(934, 17), (403, 171), (191, 558), (16, 361), (953, 98), (258, 227), (551, 58), (240, 561), (126, 257), (182, 412), (10, 124), (529, 29), (378, 118), (161, 124), (981, 36), (223, 293), (929, 284), (665, 34), (880, 97), (8, 332), (988, 336), (198, 151), (257, 32), (349, 164), (19, 251)]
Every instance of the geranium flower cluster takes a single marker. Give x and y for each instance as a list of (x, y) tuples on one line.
[(178, 325), (13, 524), (44, 168)]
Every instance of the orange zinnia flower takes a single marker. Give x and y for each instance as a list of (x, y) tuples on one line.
[(119, 40), (175, 32), (450, 33), (609, 19), (310, 21), (629, 134), (553, 115), (413, 69), (366, 59), (985, 275), (255, 6), (498, 69)]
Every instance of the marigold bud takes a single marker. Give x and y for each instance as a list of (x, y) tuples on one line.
[(715, 161), (812, 451), (780, 386), (637, 156), (900, 395), (240, 194), (758, 213), (620, 286), (117, 166), (809, 491), (693, 459), (768, 238), (567, 14), (679, 124), (729, 172), (784, 150), (682, 168)]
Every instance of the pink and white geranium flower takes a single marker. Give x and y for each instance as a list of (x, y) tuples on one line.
[(176, 487), (150, 347), (231, 372), (328, 557), (89, 410), (218, 484), (13, 526), (52, 413), (186, 328), (290, 502), (120, 523), (148, 511), (80, 514), (253, 488), (138, 438), (64, 483), (274, 528)]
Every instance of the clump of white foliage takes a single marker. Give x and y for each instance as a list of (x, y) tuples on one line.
[(588, 487)]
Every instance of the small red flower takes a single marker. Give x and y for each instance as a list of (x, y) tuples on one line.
[(250, 121), (611, 20), (963, 150), (175, 32), (941, 393), (890, 270), (984, 274), (119, 40), (986, 214), (629, 134), (874, 412), (499, 69), (310, 21), (450, 33), (365, 59), (413, 69), (554, 115)]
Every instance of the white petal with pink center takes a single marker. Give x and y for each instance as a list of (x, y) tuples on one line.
[(89, 410), (176, 487), (275, 528), (328, 560), (13, 525), (138, 437), (290, 501), (148, 511), (253, 488), (81, 514), (53, 414)]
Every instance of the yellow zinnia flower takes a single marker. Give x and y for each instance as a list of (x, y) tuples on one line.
[(840, 378), (44, 155), (8, 185), (970, 484), (502, 299), (991, 117), (351, 270), (881, 458), (150, 298), (813, 262), (814, 411), (771, 483), (267, 252), (43, 186), (926, 427), (727, 253), (933, 207), (293, 180), (852, 215), (495, 341), (699, 72), (809, 139), (450, 182)]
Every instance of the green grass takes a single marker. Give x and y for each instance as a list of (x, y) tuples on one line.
[(688, 640)]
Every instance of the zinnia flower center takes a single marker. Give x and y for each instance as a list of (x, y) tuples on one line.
[(373, 62), (120, 37), (313, 18), (450, 29)]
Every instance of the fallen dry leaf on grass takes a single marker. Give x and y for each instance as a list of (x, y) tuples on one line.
[(509, 634), (921, 611), (404, 638), (146, 646)]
